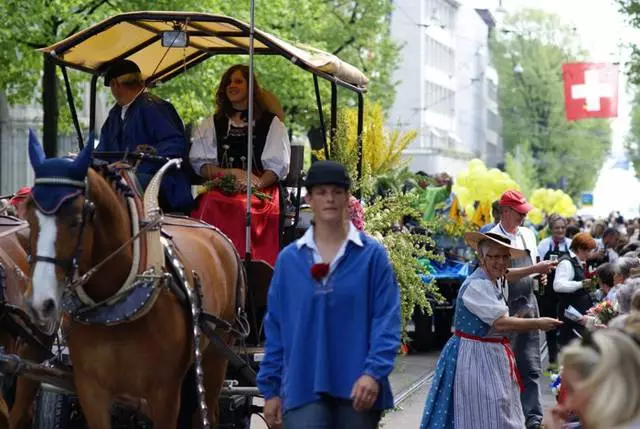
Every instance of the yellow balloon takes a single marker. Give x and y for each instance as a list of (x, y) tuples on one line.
[(536, 216)]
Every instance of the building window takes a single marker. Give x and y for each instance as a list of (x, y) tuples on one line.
[(492, 90), (493, 121), (439, 99), (441, 13), (439, 56)]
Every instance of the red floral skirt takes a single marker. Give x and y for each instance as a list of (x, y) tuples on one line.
[(228, 213)]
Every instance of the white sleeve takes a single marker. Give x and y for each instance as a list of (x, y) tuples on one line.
[(277, 149), (481, 299), (204, 146), (543, 247), (563, 281)]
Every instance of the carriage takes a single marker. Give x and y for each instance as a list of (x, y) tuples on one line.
[(165, 45)]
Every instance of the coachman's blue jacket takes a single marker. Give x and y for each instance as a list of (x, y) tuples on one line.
[(151, 121)]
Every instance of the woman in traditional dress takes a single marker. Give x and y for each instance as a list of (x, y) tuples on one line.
[(220, 147), (476, 384)]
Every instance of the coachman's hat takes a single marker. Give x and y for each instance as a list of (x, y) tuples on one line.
[(327, 173), (120, 68)]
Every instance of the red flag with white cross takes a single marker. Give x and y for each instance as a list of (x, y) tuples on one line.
[(590, 90)]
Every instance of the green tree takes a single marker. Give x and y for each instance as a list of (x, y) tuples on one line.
[(528, 55), (632, 141), (522, 167), (631, 9), (357, 31)]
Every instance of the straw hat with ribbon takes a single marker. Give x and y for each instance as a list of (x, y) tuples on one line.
[(474, 239)]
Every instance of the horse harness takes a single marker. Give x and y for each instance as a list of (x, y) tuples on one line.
[(146, 289)]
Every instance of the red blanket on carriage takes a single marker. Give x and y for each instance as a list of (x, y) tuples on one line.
[(228, 213)]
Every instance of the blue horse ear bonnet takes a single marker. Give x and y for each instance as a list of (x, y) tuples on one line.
[(57, 179)]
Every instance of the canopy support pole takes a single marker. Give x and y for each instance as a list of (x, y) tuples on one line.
[(72, 106), (316, 86), (92, 105), (360, 143), (334, 117), (247, 256)]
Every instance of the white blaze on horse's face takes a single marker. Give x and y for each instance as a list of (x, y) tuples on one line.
[(45, 291)]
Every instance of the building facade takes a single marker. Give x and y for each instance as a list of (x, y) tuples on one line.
[(15, 121), (447, 88)]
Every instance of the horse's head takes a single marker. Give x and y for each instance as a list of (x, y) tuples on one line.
[(59, 214)]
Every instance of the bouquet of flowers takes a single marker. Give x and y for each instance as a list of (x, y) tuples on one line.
[(228, 185), (604, 312)]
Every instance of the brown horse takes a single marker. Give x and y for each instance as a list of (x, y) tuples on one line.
[(13, 261), (142, 361)]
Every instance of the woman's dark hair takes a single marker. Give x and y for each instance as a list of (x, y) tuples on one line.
[(571, 231), (223, 104), (605, 273)]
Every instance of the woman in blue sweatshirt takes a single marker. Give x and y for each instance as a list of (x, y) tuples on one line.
[(333, 319)]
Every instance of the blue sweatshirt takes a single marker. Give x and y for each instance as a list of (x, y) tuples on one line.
[(320, 338)]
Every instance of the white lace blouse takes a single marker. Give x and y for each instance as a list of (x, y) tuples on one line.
[(275, 157)]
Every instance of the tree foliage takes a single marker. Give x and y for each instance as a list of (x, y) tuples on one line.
[(631, 9), (382, 148), (532, 103), (632, 141), (356, 31)]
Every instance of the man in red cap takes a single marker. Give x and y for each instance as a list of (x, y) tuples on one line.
[(522, 302), (18, 201)]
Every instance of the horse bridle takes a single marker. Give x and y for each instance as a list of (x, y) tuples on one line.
[(71, 266)]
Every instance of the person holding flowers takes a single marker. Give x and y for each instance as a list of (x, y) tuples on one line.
[(333, 319), (219, 155), (571, 284)]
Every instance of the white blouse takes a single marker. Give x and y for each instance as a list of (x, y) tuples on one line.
[(563, 281), (483, 298), (275, 156)]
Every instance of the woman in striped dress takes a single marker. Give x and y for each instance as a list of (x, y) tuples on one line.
[(477, 384)]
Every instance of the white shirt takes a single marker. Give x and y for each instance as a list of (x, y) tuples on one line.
[(123, 112), (522, 239), (563, 281), (308, 240), (547, 244), (275, 156), (484, 299)]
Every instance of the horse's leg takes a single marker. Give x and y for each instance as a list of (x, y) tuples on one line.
[(22, 410), (215, 369), (95, 402), (165, 406)]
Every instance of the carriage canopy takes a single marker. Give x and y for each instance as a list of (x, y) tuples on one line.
[(138, 36)]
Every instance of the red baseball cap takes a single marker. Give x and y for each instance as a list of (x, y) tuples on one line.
[(516, 201), (20, 196)]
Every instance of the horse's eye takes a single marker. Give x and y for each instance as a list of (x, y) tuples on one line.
[(74, 223)]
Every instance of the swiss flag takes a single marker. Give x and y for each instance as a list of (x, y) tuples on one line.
[(590, 90)]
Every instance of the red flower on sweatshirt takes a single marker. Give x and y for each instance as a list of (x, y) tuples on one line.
[(319, 271)]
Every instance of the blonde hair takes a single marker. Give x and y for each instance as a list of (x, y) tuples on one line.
[(609, 369)]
